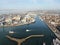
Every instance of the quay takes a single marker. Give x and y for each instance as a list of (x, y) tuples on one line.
[(54, 30)]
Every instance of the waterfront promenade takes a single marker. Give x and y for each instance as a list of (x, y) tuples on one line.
[(55, 31)]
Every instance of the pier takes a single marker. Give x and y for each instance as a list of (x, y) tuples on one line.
[(19, 41)]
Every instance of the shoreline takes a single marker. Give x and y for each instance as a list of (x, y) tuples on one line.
[(16, 25), (55, 31)]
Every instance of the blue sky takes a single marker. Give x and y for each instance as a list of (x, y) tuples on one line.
[(29, 4)]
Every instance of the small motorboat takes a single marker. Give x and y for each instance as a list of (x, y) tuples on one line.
[(28, 30), (11, 32)]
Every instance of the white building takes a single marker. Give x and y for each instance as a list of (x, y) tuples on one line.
[(17, 18), (27, 19), (1, 24), (8, 20)]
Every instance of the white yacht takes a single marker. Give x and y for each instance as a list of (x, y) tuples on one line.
[(28, 30), (11, 32)]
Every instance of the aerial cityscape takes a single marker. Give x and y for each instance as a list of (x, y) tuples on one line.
[(29, 22)]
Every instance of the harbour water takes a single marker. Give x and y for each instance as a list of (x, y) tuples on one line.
[(23, 31)]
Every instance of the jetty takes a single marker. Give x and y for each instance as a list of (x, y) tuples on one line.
[(19, 41)]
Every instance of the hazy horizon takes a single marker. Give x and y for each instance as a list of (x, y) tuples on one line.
[(29, 4)]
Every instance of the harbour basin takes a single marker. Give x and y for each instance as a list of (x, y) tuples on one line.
[(37, 28)]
